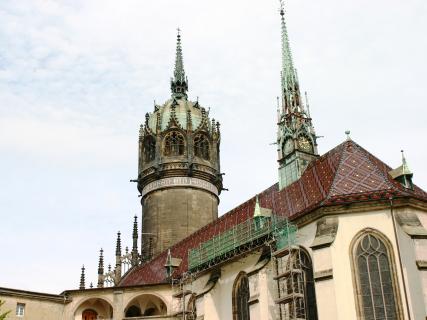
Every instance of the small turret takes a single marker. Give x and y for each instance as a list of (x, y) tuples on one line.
[(403, 174)]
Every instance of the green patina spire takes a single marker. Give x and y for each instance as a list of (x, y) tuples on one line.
[(288, 71), (290, 86), (179, 82), (296, 138)]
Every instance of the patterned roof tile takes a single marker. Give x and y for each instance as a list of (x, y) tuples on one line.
[(348, 173)]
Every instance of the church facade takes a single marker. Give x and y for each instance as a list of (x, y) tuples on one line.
[(340, 236)]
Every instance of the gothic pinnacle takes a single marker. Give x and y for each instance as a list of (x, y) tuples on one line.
[(135, 242), (82, 279), (101, 269), (118, 245)]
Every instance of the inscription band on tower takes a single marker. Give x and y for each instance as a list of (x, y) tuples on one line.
[(179, 182)]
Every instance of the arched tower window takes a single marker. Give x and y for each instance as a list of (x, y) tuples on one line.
[(174, 144), (377, 297), (241, 297), (201, 147), (149, 149)]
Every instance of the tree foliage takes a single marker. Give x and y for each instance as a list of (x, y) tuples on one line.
[(3, 314)]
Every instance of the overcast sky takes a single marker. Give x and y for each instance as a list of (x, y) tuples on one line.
[(77, 77)]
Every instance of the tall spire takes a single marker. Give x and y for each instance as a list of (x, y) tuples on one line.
[(179, 82), (296, 138), (290, 87)]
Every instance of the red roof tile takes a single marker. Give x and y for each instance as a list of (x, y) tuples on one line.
[(348, 173)]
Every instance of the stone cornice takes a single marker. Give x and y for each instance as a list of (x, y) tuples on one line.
[(357, 207), (58, 298)]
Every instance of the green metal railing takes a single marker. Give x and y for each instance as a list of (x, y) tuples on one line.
[(234, 239)]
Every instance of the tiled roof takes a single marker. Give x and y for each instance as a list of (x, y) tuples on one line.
[(346, 174)]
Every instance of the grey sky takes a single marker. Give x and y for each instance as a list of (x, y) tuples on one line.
[(77, 77)]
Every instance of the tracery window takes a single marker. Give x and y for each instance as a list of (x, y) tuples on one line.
[(309, 289), (149, 149), (174, 144), (241, 297), (376, 286), (201, 147)]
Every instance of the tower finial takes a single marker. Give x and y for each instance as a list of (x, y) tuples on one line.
[(179, 82)]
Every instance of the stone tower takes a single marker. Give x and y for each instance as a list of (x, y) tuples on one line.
[(296, 139), (179, 167)]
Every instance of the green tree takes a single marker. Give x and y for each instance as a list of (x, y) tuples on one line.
[(3, 314)]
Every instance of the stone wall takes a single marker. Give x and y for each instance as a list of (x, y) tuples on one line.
[(170, 215)]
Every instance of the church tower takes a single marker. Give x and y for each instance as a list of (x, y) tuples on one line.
[(179, 167), (296, 139)]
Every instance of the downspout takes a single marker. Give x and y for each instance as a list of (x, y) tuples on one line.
[(400, 258)]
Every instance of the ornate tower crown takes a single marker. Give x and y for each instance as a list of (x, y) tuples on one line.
[(296, 138), (179, 167)]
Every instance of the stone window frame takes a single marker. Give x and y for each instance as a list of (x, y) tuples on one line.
[(149, 148), (181, 146), (241, 277), (203, 151), (393, 271)]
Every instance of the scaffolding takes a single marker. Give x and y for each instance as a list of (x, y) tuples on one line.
[(237, 240), (280, 235), (290, 276), (184, 297)]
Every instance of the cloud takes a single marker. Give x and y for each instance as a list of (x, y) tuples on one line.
[(77, 77)]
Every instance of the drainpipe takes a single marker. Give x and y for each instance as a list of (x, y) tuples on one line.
[(400, 258)]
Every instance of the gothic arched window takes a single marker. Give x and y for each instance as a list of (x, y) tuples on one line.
[(377, 297), (149, 149), (191, 309), (309, 290), (241, 297), (174, 144), (201, 147), (298, 279)]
